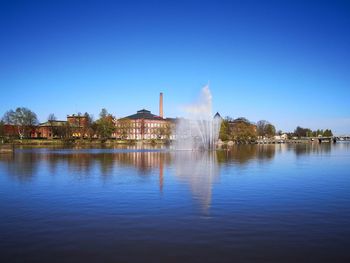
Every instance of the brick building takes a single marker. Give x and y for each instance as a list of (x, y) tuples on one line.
[(144, 125), (74, 126)]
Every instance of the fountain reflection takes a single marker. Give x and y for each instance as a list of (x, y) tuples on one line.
[(199, 170)]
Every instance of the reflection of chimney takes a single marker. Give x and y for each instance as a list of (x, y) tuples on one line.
[(161, 179), (161, 104)]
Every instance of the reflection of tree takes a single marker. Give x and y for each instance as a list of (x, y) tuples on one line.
[(199, 170), (310, 148), (21, 166), (81, 162), (265, 152), (244, 153)]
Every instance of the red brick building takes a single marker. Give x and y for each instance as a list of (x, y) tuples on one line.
[(74, 126), (143, 125)]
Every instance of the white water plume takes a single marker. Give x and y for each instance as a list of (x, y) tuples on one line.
[(199, 130)]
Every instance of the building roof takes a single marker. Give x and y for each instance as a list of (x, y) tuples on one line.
[(217, 115), (143, 114), (57, 124), (172, 119), (76, 116), (52, 123)]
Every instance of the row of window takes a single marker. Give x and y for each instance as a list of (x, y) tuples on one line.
[(138, 124), (150, 131)]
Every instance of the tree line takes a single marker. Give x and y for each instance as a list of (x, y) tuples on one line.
[(24, 122), (243, 130), (306, 132)]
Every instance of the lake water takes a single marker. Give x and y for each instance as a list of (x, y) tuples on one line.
[(267, 203)]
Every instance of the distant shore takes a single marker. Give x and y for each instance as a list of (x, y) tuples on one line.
[(6, 147), (60, 142)]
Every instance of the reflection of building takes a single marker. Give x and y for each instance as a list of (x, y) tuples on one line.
[(197, 170)]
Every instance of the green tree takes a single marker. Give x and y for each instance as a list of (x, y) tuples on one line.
[(302, 132), (24, 119), (308, 133), (328, 133), (105, 125), (265, 128), (242, 130), (270, 130), (224, 133)]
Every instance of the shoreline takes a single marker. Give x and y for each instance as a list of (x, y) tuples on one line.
[(7, 146)]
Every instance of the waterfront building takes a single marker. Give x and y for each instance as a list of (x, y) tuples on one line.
[(75, 126), (49, 129), (145, 126), (10, 130)]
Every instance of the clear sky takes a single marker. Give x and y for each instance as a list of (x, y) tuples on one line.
[(284, 61)]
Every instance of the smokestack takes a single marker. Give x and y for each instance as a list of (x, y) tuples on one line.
[(161, 104)]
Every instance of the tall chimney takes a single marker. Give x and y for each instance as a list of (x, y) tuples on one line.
[(161, 104)]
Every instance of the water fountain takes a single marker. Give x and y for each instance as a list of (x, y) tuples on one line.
[(199, 130)]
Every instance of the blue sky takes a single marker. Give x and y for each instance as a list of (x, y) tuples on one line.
[(284, 61)]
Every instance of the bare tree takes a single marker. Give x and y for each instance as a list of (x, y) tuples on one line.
[(51, 117), (264, 128), (24, 119), (88, 128)]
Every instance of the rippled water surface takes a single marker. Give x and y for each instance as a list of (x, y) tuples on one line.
[(277, 203)]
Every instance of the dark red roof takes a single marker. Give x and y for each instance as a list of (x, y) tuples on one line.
[(144, 114)]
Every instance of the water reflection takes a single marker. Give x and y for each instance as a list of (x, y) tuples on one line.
[(199, 170), (23, 167), (310, 148), (242, 154), (108, 202)]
